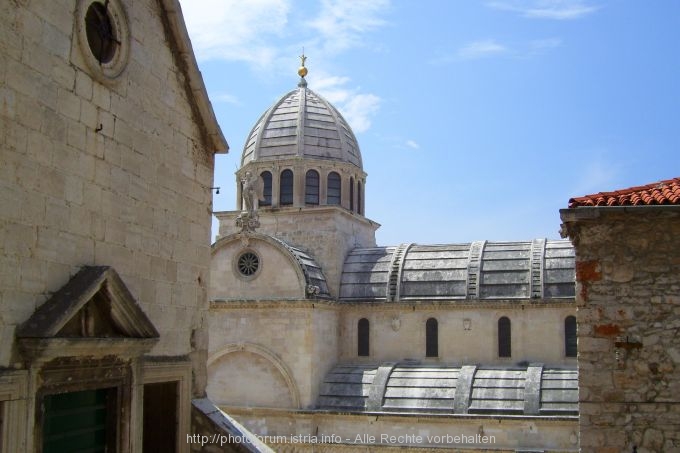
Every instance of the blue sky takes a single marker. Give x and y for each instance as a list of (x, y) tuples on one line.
[(476, 119)]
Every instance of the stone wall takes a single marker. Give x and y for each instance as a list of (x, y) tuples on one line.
[(301, 431), (277, 277), (397, 332), (628, 298), (257, 344), (327, 234), (100, 171)]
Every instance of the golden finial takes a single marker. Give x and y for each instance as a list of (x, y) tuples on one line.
[(302, 71)]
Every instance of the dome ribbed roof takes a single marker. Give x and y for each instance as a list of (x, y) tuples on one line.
[(303, 124)]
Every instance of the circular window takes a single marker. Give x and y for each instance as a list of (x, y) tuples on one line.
[(100, 32), (103, 37), (248, 264)]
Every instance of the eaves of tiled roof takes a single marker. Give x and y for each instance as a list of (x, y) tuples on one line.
[(659, 193)]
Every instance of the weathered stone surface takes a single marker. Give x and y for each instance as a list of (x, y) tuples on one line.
[(103, 170), (628, 345)]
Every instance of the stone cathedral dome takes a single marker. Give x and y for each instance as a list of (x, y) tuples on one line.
[(302, 124)]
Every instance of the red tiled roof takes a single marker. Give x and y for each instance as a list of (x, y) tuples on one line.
[(662, 192)]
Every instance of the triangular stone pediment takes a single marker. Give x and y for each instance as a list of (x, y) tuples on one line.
[(95, 303)]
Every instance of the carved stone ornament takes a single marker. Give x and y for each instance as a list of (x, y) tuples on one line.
[(248, 221), (467, 323), (396, 323), (244, 237)]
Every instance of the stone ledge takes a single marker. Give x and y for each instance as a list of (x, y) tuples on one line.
[(219, 424)]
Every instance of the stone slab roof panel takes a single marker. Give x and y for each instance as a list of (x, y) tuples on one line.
[(412, 388), (539, 269), (302, 124)]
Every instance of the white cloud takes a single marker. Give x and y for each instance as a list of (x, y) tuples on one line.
[(546, 9), (341, 23), (226, 98), (490, 47), (480, 49), (235, 29), (331, 87), (263, 33), (356, 107), (359, 110), (412, 144)]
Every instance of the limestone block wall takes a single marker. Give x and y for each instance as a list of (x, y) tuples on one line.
[(326, 344), (335, 432), (278, 277), (327, 234), (397, 332), (628, 297), (269, 354), (100, 171)]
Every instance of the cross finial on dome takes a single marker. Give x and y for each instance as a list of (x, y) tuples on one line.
[(302, 70)]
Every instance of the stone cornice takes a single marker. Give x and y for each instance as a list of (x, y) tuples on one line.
[(461, 304), (307, 211), (595, 212), (395, 417)]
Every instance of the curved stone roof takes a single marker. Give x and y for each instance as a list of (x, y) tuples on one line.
[(539, 269), (302, 124), (436, 389), (312, 271)]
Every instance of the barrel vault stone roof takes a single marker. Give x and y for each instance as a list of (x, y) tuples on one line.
[(539, 269), (302, 124), (439, 389)]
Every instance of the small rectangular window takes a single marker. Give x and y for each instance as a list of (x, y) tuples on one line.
[(80, 421), (160, 417), (504, 337), (363, 338), (431, 338), (570, 336)]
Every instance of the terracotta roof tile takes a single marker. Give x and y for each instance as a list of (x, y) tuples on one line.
[(662, 192)]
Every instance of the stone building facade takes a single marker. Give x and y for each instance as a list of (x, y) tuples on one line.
[(107, 143), (318, 335), (628, 299)]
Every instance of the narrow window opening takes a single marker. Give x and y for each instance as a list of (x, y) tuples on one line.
[(504, 337), (363, 337), (351, 194), (360, 209), (431, 338), (312, 187), (570, 349), (286, 188), (266, 188), (334, 189)]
